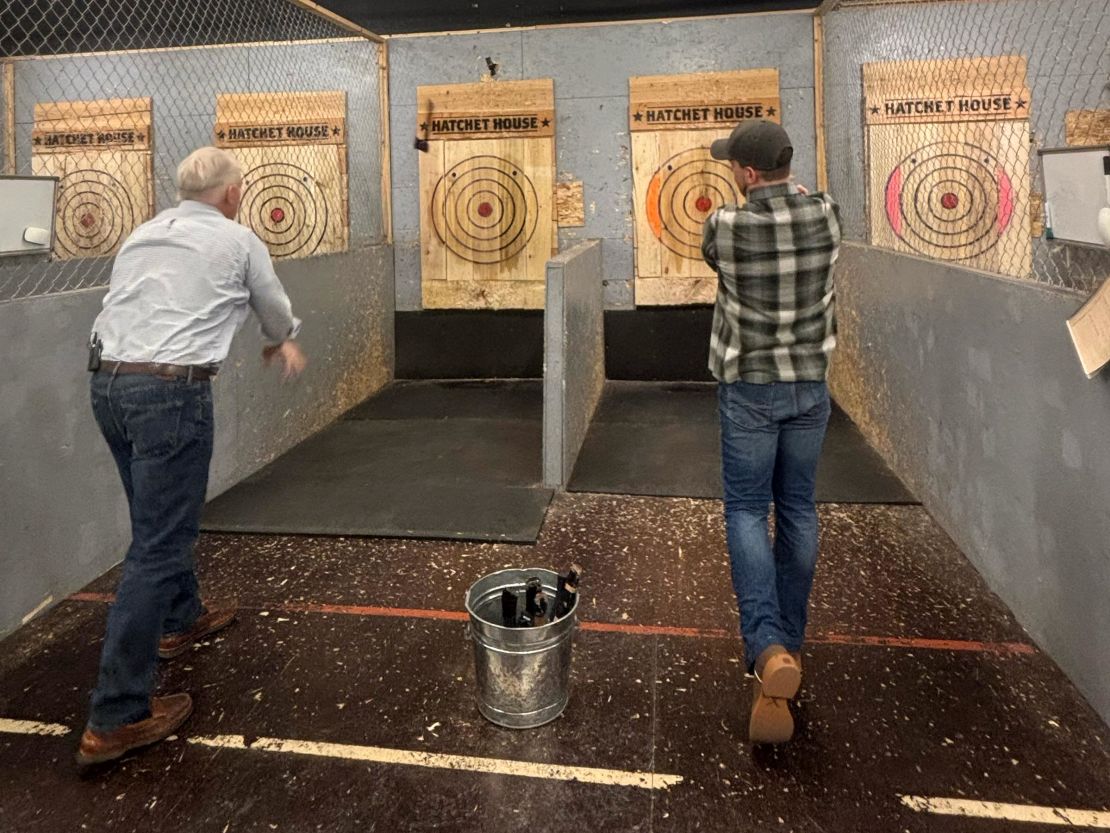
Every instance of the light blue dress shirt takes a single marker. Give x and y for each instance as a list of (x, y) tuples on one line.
[(181, 286)]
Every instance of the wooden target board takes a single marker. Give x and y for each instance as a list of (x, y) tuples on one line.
[(948, 160), (673, 119), (100, 152), (293, 148), (487, 194)]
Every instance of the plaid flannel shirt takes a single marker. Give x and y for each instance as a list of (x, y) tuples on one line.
[(775, 319)]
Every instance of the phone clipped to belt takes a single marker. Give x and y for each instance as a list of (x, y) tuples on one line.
[(96, 348)]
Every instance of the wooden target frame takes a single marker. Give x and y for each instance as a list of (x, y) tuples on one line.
[(487, 194), (949, 161), (673, 119), (101, 153), (293, 148)]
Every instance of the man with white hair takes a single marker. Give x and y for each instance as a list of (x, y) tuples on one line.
[(181, 286)]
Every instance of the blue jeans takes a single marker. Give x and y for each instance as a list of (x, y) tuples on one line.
[(160, 434), (771, 438)]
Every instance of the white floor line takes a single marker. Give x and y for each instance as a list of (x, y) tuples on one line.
[(31, 727), (377, 754), (1097, 819)]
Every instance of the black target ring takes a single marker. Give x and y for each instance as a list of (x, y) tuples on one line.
[(686, 190), (485, 210), (950, 201), (95, 214), (285, 207)]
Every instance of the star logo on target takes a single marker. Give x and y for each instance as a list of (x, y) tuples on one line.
[(546, 122), (638, 116), (220, 134), (1021, 103), (770, 111), (335, 131)]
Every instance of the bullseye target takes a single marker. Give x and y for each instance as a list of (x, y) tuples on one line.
[(950, 201), (95, 214), (485, 209), (686, 189), (286, 208)]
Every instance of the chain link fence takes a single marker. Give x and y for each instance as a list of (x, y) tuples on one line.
[(109, 97), (935, 113)]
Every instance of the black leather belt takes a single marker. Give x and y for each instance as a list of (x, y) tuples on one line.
[(194, 373)]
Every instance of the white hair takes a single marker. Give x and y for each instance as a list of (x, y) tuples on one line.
[(205, 170)]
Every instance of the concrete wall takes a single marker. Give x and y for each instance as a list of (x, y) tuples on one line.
[(970, 388), (65, 520), (1069, 66), (591, 67), (574, 357)]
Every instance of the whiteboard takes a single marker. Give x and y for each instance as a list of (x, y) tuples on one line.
[(26, 201), (1075, 185)]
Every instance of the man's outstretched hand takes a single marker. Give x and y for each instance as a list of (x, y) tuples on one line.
[(291, 357)]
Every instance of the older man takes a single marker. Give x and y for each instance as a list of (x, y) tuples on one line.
[(774, 328), (181, 286)]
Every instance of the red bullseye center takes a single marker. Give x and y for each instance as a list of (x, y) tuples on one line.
[(485, 209), (949, 200), (703, 204), (277, 215), (87, 220)]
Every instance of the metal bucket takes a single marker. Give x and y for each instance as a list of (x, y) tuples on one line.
[(523, 673)]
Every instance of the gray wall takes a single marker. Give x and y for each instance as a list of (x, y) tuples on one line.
[(65, 520), (591, 67), (1067, 44), (184, 84), (971, 389), (967, 382), (574, 357)]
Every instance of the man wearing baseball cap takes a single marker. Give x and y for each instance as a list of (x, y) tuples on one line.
[(774, 328)]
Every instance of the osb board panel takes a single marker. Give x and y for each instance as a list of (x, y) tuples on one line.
[(675, 292), (1036, 215), (953, 192), (1087, 127), (484, 294), (83, 126), (487, 215), (487, 110), (261, 119), (699, 100), (677, 186), (952, 90), (570, 204), (296, 107), (295, 198), (102, 197)]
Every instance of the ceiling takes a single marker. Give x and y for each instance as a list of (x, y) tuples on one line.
[(392, 17)]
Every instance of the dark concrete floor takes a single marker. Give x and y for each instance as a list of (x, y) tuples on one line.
[(918, 682)]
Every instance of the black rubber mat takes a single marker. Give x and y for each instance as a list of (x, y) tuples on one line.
[(664, 439), (420, 460)]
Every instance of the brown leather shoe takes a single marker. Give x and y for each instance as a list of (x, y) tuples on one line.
[(217, 618), (779, 673), (166, 716), (771, 721)]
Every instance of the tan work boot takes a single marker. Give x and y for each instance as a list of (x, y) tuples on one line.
[(779, 672), (771, 721), (166, 716), (216, 618)]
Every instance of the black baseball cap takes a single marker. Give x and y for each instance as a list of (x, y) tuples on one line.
[(758, 143)]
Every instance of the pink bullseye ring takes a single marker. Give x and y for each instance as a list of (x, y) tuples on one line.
[(703, 204), (485, 209), (87, 220), (277, 215), (949, 200)]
